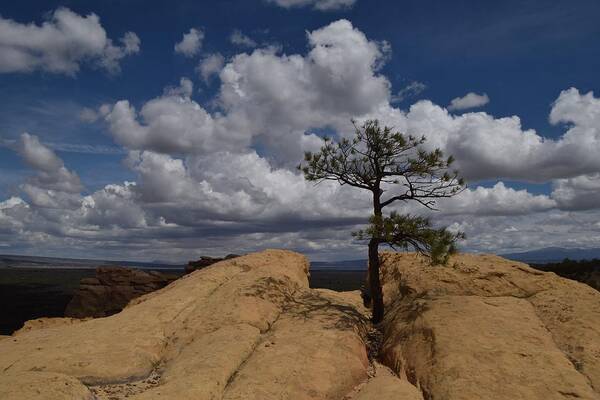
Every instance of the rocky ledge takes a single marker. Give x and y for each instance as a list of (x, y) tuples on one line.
[(251, 328), (206, 261)]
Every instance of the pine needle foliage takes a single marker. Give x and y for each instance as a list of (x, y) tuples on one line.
[(382, 160)]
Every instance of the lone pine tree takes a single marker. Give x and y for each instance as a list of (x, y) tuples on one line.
[(390, 163)]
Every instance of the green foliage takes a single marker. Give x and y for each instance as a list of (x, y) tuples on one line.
[(412, 232), (379, 159), (379, 156)]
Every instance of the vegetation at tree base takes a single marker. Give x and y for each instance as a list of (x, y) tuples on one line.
[(382, 161)]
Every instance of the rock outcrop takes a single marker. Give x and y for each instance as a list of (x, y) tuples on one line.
[(251, 328), (206, 261), (112, 289), (247, 328), (489, 328)]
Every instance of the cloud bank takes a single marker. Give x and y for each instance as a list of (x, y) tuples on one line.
[(201, 186)]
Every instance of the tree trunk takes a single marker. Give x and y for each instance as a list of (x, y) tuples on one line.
[(374, 281)]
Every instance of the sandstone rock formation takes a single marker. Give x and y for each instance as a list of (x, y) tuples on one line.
[(206, 261), (489, 328), (24, 385), (247, 328), (384, 385), (112, 289), (42, 323), (251, 328)]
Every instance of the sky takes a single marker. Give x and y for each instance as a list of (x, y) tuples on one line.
[(148, 130)]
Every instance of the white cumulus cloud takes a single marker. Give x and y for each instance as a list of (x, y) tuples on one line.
[(496, 200), (210, 65), (191, 43), (486, 147), (470, 100), (61, 44), (578, 193), (51, 171), (238, 38), (172, 123), (413, 89), (265, 97)]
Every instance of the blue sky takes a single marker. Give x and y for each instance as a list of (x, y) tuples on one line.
[(521, 54)]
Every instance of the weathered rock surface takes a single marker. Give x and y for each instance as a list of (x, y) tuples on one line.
[(112, 289), (489, 328), (247, 328), (387, 386), (251, 328), (26, 385), (42, 323)]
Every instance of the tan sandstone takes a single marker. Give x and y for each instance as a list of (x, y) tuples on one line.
[(387, 386), (247, 328), (250, 328), (484, 327), (43, 323), (25, 385)]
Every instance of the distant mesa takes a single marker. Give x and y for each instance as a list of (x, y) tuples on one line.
[(581, 265), (553, 254), (587, 272), (112, 289)]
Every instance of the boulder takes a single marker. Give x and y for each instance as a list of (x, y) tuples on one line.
[(486, 327), (247, 328), (112, 289)]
